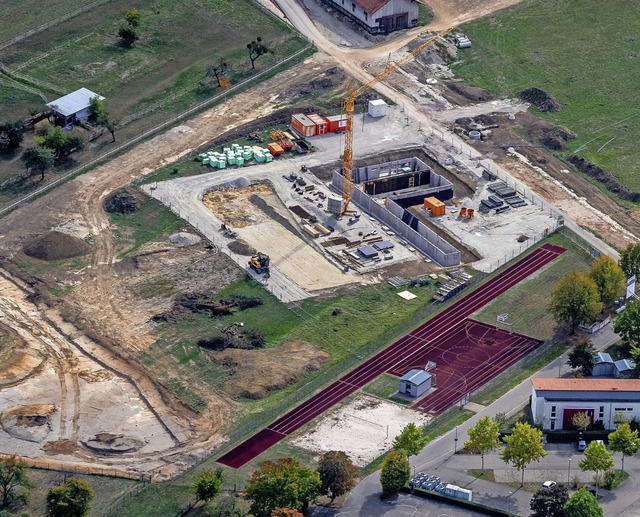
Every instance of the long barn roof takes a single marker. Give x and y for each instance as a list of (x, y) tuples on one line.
[(74, 102)]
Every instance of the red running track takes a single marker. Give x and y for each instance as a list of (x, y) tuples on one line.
[(408, 347)]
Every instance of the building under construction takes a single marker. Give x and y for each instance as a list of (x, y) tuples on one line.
[(386, 191)]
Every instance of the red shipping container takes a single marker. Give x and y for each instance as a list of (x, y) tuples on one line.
[(337, 123), (322, 126)]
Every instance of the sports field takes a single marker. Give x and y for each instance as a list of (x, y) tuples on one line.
[(416, 344)]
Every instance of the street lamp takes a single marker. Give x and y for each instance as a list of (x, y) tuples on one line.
[(569, 474), (560, 364), (455, 442)]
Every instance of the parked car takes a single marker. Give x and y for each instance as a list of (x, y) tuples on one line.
[(549, 484), (582, 445)]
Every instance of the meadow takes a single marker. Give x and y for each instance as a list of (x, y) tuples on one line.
[(582, 53)]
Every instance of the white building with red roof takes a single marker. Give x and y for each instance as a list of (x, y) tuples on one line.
[(555, 401)]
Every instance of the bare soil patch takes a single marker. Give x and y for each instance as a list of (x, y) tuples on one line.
[(230, 204), (364, 428), (258, 372)]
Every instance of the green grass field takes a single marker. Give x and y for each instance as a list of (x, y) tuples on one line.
[(579, 52), (178, 42)]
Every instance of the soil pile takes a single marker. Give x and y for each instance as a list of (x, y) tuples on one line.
[(107, 443), (609, 180), (540, 99), (552, 137), (242, 248), (122, 202), (258, 372), (29, 422), (56, 246), (472, 93), (184, 239), (202, 302)]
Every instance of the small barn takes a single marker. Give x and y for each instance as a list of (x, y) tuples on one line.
[(73, 107), (380, 16), (415, 383)]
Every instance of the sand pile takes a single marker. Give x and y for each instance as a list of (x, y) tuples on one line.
[(184, 239)]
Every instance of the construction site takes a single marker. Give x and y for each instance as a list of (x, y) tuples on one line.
[(328, 204)]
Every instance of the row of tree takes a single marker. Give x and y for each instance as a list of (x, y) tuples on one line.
[(554, 501)]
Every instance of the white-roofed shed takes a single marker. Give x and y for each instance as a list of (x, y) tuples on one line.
[(75, 106)]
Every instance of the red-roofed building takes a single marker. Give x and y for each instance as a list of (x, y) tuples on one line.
[(555, 401), (380, 16)]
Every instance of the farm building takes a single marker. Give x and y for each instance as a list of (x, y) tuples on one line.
[(415, 382), (73, 107), (380, 16), (555, 401), (604, 366)]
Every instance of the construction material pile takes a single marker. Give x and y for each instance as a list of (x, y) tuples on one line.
[(235, 155)]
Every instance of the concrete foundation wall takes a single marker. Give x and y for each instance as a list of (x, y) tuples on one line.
[(423, 239)]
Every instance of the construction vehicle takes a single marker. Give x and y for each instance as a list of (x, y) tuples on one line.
[(260, 264), (348, 105)]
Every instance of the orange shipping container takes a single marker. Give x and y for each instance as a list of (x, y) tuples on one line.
[(302, 124), (275, 149), (434, 205), (322, 126)]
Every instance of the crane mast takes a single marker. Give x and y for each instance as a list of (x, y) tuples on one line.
[(348, 106)]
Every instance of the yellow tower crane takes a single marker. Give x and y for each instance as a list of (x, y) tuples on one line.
[(348, 105)]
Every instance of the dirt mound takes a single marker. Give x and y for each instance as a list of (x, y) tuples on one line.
[(184, 239), (258, 372), (202, 302), (122, 201), (56, 246), (472, 93), (608, 179), (107, 443), (29, 422), (242, 248), (552, 137), (540, 99)]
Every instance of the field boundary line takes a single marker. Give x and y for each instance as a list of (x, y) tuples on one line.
[(47, 25), (149, 132)]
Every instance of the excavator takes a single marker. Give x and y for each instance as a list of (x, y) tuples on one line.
[(260, 264)]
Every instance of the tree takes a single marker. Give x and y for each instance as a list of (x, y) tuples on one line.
[(549, 501), (627, 325), (285, 512), (223, 507), (71, 499), (133, 18), (111, 127), (129, 35), (98, 111), (583, 504), (609, 278), (337, 474), (523, 446), (484, 436), (256, 49), (37, 159), (624, 441), (630, 260), (13, 476), (411, 440), (582, 356), (72, 143), (575, 300), (219, 72), (284, 483), (11, 136), (395, 472), (581, 421), (596, 459), (207, 484)]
